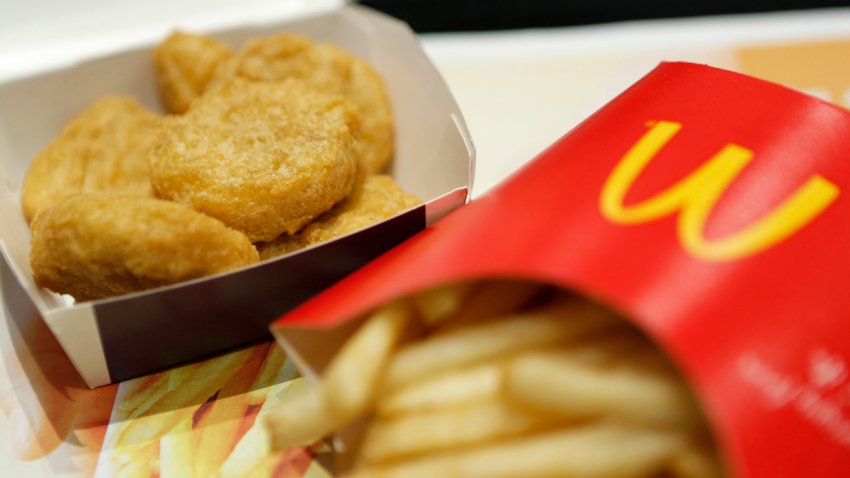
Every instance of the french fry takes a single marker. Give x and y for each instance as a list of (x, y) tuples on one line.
[(197, 383), (490, 299), (624, 348), (232, 440), (151, 427), (349, 384), (599, 450), (266, 466), (438, 304), (302, 419), (451, 389), (491, 388), (537, 328), (289, 464), (316, 470), (255, 444), (696, 461), (276, 369), (351, 380), (136, 469), (559, 382), (399, 437), (133, 461), (140, 393), (216, 433), (177, 452)]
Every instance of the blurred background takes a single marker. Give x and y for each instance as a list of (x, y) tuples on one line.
[(472, 15)]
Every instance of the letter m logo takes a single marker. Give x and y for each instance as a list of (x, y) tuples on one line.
[(693, 198)]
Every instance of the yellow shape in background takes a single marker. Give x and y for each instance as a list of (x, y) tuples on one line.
[(819, 68)]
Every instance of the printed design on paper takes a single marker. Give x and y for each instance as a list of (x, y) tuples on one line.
[(821, 397), (693, 198)]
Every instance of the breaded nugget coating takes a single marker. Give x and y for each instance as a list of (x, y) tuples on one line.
[(96, 246), (329, 68), (184, 65), (101, 150), (376, 199), (265, 158)]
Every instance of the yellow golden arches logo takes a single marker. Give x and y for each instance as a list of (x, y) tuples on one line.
[(694, 197)]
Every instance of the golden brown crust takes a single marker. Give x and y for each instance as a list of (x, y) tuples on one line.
[(96, 246), (263, 157), (376, 199), (366, 91), (184, 65), (102, 149), (330, 69)]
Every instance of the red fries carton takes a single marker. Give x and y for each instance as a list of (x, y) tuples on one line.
[(708, 207), (115, 339)]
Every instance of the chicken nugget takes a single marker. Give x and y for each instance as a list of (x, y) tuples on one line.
[(184, 65), (96, 246), (265, 158), (102, 149), (376, 199), (328, 68)]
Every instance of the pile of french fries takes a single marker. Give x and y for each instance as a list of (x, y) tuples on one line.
[(500, 378)]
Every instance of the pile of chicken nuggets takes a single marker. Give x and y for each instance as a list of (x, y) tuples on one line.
[(262, 151)]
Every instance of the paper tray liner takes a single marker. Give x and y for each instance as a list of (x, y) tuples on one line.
[(707, 207)]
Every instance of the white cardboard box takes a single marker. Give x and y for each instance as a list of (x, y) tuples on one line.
[(115, 339)]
